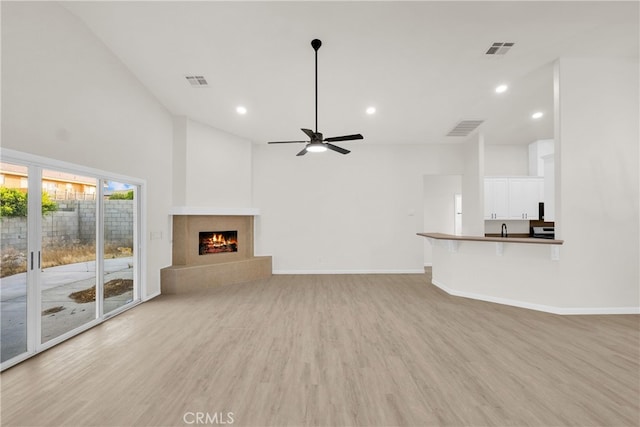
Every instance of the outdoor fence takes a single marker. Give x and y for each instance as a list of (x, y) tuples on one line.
[(74, 223)]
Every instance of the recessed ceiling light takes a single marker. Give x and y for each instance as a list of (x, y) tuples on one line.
[(371, 110), (501, 88), (537, 115), (241, 110)]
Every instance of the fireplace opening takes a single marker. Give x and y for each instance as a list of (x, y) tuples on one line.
[(215, 242)]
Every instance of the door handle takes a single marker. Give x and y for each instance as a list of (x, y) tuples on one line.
[(32, 260)]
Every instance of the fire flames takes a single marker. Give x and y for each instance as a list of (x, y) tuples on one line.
[(216, 242)]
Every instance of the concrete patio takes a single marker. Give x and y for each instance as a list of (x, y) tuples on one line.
[(56, 284)]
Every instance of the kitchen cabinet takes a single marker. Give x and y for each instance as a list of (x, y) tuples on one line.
[(524, 196), (496, 197), (512, 197)]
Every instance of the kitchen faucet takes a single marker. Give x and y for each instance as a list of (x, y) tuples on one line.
[(503, 231)]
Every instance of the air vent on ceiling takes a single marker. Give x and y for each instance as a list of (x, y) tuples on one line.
[(499, 48), (465, 127), (197, 81)]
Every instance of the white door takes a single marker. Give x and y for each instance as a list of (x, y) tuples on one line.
[(457, 211)]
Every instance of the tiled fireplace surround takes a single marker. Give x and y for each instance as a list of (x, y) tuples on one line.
[(191, 271)]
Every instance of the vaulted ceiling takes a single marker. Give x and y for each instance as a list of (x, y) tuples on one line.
[(422, 65)]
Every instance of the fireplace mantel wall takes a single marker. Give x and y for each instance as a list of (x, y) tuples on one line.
[(191, 271)]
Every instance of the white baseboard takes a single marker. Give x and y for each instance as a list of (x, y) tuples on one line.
[(152, 296), (408, 271), (539, 307)]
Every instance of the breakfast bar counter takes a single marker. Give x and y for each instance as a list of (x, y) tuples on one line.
[(443, 236), (518, 271)]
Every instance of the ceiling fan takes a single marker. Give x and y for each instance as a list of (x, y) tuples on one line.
[(317, 142)]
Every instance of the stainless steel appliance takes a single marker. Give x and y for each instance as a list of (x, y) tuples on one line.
[(543, 232)]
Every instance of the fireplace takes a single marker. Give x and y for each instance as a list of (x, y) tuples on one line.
[(202, 258), (215, 242)]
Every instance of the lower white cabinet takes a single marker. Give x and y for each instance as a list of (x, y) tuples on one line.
[(513, 197)]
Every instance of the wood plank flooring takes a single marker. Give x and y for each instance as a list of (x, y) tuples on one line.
[(333, 350)]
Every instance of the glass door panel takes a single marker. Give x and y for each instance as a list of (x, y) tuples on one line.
[(120, 213), (68, 271), (14, 255)]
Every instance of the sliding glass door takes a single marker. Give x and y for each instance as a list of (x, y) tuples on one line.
[(68, 250), (14, 184), (120, 211), (70, 253)]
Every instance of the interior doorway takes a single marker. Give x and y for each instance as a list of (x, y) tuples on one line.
[(440, 209)]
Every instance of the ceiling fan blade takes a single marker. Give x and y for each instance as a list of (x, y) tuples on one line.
[(344, 138), (309, 132), (287, 142), (336, 148), (303, 152)]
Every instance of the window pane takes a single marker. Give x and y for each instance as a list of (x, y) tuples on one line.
[(68, 277), (13, 264), (119, 245)]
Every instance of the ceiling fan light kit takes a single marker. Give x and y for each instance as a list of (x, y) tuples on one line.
[(317, 143), (315, 147)]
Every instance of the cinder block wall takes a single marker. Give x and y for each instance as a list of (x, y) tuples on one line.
[(74, 223)]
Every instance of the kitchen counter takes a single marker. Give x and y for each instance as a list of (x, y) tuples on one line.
[(518, 271), (443, 236)]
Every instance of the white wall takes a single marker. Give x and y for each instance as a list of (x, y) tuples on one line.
[(65, 96), (473, 186), (513, 227), (439, 207), (355, 213), (538, 151), (510, 160), (179, 160), (217, 170), (597, 193)]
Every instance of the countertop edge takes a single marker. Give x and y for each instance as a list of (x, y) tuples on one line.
[(529, 240)]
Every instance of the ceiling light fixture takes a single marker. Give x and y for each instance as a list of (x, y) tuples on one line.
[(501, 88), (317, 142), (241, 110), (316, 147), (537, 115), (371, 110)]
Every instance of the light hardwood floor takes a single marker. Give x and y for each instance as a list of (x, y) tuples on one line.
[(366, 350)]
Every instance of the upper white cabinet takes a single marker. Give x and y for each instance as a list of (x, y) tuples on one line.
[(513, 197), (496, 196), (524, 196)]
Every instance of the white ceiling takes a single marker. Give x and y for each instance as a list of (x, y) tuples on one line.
[(421, 64)]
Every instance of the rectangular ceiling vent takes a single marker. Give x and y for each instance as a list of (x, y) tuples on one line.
[(465, 127), (197, 81), (499, 48)]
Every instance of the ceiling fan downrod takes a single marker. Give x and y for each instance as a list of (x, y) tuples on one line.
[(315, 43)]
